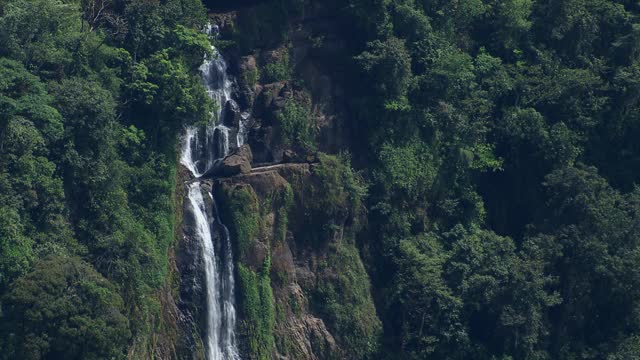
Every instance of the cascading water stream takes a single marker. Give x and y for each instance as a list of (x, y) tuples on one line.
[(200, 150)]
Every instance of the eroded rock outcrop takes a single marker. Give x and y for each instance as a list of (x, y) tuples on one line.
[(297, 265), (238, 162)]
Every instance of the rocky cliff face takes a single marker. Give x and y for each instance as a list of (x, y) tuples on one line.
[(285, 67), (292, 212), (318, 304)]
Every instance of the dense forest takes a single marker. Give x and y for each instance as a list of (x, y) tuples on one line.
[(486, 174)]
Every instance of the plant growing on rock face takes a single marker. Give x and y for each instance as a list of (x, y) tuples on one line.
[(343, 298), (296, 128), (340, 189), (250, 77), (257, 309), (279, 70), (242, 216)]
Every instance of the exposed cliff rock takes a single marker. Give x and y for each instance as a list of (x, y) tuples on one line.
[(281, 242), (238, 162)]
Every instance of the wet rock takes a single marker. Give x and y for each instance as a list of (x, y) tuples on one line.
[(192, 296), (223, 138), (231, 114)]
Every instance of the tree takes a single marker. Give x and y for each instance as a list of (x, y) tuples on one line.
[(390, 64), (594, 229), (64, 309)]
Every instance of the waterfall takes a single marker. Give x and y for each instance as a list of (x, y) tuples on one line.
[(200, 150)]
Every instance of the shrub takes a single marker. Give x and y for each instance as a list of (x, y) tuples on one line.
[(279, 70), (339, 191), (296, 128)]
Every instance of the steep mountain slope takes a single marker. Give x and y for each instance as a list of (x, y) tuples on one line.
[(305, 179)]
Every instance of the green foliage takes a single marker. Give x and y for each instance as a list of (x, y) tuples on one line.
[(589, 231), (257, 309), (409, 170), (296, 126), (242, 216), (628, 349), (40, 34), (344, 300), (282, 220), (180, 95), (251, 77), (193, 44), (32, 199), (89, 107), (17, 249), (475, 117), (265, 25), (338, 191), (278, 70), (64, 308), (389, 63)]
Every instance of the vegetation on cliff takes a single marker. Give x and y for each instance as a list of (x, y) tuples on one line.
[(241, 211)]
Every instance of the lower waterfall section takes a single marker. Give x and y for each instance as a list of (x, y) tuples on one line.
[(218, 268), (212, 275), (202, 147)]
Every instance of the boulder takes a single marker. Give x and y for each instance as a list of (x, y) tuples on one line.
[(238, 162), (245, 152)]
